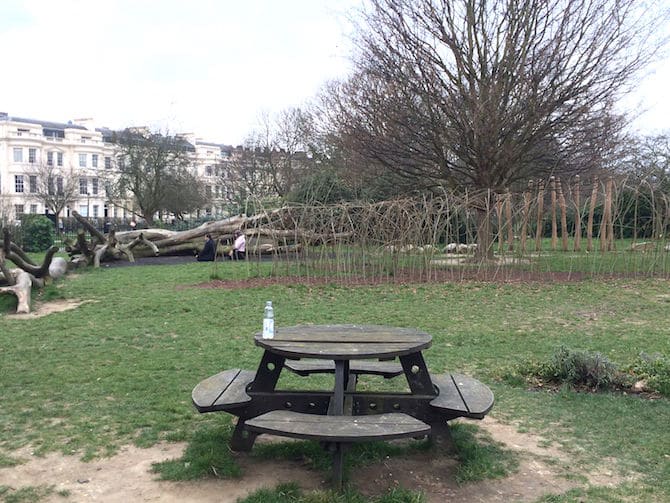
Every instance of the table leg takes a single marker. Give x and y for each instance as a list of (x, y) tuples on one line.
[(417, 374), (242, 439), (341, 381), (266, 379), (268, 372), (338, 465), (440, 436)]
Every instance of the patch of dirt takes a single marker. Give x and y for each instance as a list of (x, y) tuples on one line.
[(44, 308), (506, 276), (127, 476)]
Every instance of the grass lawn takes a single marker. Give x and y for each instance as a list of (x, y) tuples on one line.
[(120, 368)]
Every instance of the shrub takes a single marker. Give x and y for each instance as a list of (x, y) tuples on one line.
[(38, 233), (655, 370), (584, 368), (577, 368)]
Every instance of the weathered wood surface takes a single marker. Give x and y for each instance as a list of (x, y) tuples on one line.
[(21, 288), (346, 342), (223, 391), (462, 395), (306, 367), (338, 428)]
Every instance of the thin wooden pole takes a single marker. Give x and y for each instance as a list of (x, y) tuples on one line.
[(578, 215), (592, 208), (610, 214), (540, 209), (499, 211), (510, 227), (554, 229), (564, 216), (604, 227), (525, 215)]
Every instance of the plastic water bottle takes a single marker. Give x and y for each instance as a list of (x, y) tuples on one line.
[(269, 321)]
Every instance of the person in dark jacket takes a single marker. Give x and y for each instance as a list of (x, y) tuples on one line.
[(208, 251)]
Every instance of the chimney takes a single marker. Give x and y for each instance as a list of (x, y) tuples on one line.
[(86, 122)]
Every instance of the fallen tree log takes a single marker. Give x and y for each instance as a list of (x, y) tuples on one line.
[(20, 281), (272, 232), (21, 288)]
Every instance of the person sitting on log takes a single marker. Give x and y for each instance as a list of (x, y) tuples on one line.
[(208, 251), (239, 247)]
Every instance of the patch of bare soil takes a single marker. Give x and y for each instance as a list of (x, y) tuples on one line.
[(506, 276), (127, 476), (44, 308)]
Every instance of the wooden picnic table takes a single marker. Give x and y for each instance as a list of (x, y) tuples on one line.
[(342, 415)]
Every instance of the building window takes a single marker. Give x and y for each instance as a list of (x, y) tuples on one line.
[(82, 160), (94, 186), (50, 158), (94, 160), (83, 210), (83, 187), (59, 185), (33, 208), (50, 186), (108, 162), (18, 154), (95, 211), (32, 184), (32, 155), (18, 184), (208, 191), (208, 170), (18, 211), (59, 158)]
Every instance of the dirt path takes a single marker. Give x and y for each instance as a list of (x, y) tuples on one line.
[(127, 476)]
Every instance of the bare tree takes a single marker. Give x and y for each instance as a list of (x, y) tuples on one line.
[(148, 167), (245, 176), (486, 94), (274, 156), (56, 187)]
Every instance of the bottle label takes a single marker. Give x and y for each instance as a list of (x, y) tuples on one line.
[(268, 328)]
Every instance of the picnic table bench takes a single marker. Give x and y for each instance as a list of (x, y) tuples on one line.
[(343, 415)]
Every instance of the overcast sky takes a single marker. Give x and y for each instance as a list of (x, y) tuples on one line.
[(206, 67)]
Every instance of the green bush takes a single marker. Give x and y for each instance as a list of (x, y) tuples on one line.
[(577, 368), (655, 369), (584, 368), (38, 233)]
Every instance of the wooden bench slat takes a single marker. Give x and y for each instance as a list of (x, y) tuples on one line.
[(462, 395), (477, 396), (448, 397), (306, 367), (338, 428), (223, 391)]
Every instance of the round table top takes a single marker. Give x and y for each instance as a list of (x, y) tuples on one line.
[(344, 342)]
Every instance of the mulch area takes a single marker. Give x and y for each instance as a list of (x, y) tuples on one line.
[(500, 275), (509, 276)]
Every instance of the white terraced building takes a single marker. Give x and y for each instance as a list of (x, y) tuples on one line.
[(78, 149)]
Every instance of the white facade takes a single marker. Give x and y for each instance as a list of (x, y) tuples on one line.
[(29, 147), (78, 150)]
